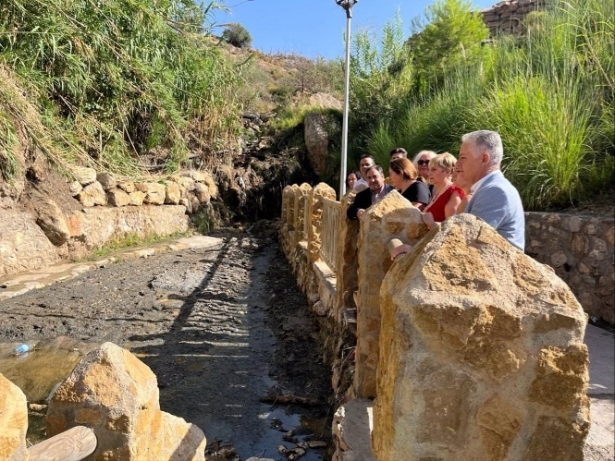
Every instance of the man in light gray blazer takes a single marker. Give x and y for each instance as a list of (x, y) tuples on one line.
[(494, 198)]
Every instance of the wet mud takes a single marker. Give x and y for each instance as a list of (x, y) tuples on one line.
[(226, 331)]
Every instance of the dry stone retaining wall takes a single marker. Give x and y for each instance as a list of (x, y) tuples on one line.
[(581, 250), (104, 210)]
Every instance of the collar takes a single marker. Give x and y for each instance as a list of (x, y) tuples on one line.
[(481, 181)]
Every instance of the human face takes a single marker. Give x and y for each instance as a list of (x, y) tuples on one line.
[(397, 155), (438, 175), (395, 179), (375, 180), (350, 180), (423, 165), (365, 164), (471, 164)]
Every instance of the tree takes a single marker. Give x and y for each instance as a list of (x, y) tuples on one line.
[(449, 35), (237, 35)]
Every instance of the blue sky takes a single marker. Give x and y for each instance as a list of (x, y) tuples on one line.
[(314, 28)]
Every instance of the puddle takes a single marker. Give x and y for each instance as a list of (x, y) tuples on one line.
[(38, 372)]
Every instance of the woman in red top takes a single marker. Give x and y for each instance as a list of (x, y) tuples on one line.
[(446, 196)]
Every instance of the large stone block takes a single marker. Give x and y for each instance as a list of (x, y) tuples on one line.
[(13, 422), (392, 217), (480, 346), (116, 395)]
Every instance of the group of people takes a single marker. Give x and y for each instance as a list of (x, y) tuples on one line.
[(441, 185)]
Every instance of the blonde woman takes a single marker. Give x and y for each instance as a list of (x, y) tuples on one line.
[(446, 196)]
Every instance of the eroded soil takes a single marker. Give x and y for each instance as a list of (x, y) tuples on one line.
[(221, 328)]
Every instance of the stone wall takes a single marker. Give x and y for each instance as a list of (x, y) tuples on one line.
[(581, 251), (102, 209), (507, 16), (445, 335)]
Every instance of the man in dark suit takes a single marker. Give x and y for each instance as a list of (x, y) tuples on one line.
[(368, 197)]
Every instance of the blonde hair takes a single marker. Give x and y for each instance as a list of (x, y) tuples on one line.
[(446, 161)]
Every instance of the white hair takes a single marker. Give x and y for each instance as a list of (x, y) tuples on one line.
[(431, 154), (488, 141)]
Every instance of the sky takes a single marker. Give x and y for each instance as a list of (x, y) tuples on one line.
[(316, 28)]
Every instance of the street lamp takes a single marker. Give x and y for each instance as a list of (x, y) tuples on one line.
[(347, 5)]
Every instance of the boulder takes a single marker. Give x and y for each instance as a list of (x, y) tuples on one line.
[(116, 395), (84, 175), (137, 197), (319, 129), (51, 219), (13, 422), (172, 193), (74, 188), (126, 186), (106, 180), (92, 194), (202, 193), (154, 192), (117, 197)]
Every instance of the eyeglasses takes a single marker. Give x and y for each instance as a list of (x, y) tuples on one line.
[(423, 162)]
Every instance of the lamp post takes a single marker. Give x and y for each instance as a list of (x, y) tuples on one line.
[(347, 5)]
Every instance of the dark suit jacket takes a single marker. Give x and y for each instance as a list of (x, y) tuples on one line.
[(363, 201)]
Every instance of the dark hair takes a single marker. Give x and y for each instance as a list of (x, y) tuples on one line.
[(399, 150), (404, 167), (354, 172)]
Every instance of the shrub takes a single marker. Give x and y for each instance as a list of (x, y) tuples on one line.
[(237, 35)]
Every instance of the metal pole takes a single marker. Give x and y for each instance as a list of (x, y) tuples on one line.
[(347, 5)]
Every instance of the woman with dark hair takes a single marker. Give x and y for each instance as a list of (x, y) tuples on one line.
[(351, 178), (404, 176)]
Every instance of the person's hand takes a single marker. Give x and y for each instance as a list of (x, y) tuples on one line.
[(429, 221), (400, 250), (360, 212)]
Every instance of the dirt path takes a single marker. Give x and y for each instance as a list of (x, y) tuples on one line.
[(221, 329)]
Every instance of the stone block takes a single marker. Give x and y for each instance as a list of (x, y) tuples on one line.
[(201, 192), (117, 197), (137, 198), (392, 217), (172, 193), (467, 323), (126, 186), (84, 175), (74, 188), (106, 180), (13, 422), (93, 194), (117, 395)]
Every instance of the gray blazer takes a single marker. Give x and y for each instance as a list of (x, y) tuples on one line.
[(498, 203)]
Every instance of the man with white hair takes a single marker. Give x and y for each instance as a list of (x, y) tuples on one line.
[(494, 199)]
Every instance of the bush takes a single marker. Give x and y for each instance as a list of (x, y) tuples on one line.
[(237, 35)]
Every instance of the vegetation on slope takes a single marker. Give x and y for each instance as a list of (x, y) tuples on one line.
[(550, 93), (118, 84)]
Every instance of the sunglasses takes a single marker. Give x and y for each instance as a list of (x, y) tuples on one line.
[(423, 162)]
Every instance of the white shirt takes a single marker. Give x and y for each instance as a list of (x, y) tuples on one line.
[(359, 185), (480, 182)]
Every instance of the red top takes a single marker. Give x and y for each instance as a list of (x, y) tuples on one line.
[(436, 208)]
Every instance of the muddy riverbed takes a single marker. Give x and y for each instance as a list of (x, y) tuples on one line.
[(225, 329)]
